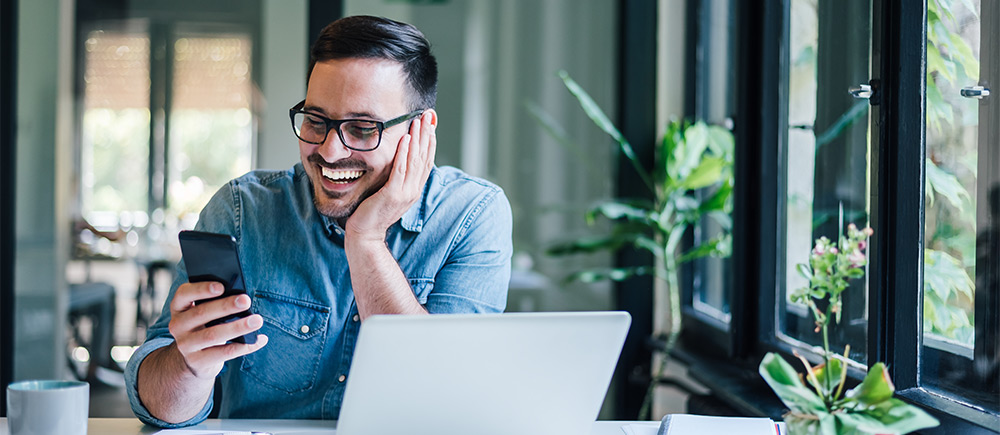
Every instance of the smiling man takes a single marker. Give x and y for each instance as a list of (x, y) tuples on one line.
[(365, 224)]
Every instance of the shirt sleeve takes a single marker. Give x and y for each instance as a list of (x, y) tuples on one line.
[(132, 387), (219, 216), (476, 275)]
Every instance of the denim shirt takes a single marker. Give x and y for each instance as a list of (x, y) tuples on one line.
[(453, 245)]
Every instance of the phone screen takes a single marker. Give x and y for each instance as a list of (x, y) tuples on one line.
[(214, 257)]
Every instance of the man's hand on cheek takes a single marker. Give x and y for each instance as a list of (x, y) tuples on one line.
[(410, 170)]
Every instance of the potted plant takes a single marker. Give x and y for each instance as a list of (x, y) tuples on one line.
[(691, 179), (824, 407)]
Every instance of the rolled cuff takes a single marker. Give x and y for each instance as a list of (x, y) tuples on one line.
[(132, 387)]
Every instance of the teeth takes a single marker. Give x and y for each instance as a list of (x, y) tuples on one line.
[(341, 175)]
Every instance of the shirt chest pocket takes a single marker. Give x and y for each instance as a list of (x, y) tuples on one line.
[(296, 332), (421, 288)]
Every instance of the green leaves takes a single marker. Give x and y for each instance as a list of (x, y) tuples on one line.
[(945, 276), (691, 182), (947, 286), (785, 382), (876, 388), (708, 172), (604, 123), (941, 182), (868, 408)]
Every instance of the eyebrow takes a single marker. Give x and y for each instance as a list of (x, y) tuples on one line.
[(351, 115)]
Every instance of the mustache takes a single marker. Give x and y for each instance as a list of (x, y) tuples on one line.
[(355, 164)]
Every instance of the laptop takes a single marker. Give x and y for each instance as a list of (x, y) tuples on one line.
[(483, 374)]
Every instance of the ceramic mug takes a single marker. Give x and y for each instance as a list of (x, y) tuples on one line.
[(48, 407)]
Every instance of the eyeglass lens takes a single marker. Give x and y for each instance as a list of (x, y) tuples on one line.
[(359, 135)]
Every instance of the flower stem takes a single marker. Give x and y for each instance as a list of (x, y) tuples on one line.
[(826, 359)]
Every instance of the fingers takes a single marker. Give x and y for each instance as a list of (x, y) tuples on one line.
[(421, 149), (401, 162), (218, 335), (208, 362), (204, 349), (233, 350), (187, 294), (196, 316)]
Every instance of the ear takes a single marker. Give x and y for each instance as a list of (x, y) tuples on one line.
[(434, 116)]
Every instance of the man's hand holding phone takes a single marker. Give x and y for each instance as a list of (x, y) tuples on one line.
[(205, 348), (211, 323)]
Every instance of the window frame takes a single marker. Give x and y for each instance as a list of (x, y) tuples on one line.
[(163, 21), (8, 147), (895, 329)]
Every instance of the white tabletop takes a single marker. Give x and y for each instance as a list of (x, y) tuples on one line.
[(131, 426)]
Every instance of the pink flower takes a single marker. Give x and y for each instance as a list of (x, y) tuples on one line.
[(856, 258), (862, 245)]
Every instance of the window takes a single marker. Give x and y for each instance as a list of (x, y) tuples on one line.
[(211, 123), (167, 117), (868, 113), (826, 163), (959, 353), (115, 140), (712, 99)]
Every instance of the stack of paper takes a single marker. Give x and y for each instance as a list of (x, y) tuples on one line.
[(687, 424), (641, 428)]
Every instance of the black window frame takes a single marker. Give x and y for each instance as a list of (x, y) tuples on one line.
[(726, 360), (8, 146)]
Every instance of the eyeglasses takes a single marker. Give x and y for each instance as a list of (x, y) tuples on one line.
[(356, 134)]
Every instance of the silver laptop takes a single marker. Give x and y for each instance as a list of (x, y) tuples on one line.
[(483, 374)]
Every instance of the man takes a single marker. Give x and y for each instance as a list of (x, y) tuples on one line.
[(364, 225)]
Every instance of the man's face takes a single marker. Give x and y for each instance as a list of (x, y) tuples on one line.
[(370, 89)]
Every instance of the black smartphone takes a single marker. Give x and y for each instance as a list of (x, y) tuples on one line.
[(214, 257)]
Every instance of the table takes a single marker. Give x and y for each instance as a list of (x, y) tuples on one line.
[(131, 426)]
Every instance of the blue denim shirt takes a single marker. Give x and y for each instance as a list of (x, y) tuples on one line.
[(454, 246)]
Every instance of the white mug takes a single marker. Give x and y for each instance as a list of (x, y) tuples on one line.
[(48, 407)]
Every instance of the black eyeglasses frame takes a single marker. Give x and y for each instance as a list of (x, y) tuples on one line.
[(334, 124)]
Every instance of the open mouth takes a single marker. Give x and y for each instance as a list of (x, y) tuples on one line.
[(341, 176)]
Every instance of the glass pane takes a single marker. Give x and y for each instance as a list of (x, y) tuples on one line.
[(115, 139), (211, 125), (826, 161), (715, 104), (957, 244)]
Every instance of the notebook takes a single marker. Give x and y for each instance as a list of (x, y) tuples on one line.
[(484, 374), (681, 424)]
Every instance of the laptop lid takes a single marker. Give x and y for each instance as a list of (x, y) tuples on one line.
[(486, 374)]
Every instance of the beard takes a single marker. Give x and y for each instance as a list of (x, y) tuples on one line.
[(331, 204)]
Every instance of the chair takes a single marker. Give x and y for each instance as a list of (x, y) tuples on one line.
[(94, 301)]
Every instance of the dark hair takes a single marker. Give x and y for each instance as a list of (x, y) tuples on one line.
[(368, 37)]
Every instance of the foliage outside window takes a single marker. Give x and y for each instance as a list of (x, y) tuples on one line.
[(952, 159)]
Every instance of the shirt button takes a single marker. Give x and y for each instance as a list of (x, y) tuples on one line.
[(304, 329), (338, 231), (356, 318), (342, 378)]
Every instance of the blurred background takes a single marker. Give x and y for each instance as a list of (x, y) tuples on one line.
[(130, 114)]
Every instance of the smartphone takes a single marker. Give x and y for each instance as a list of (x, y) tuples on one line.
[(214, 257)]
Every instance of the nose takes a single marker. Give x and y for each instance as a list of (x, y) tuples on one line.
[(333, 149)]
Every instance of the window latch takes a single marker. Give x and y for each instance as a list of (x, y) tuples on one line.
[(977, 92), (867, 91)]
